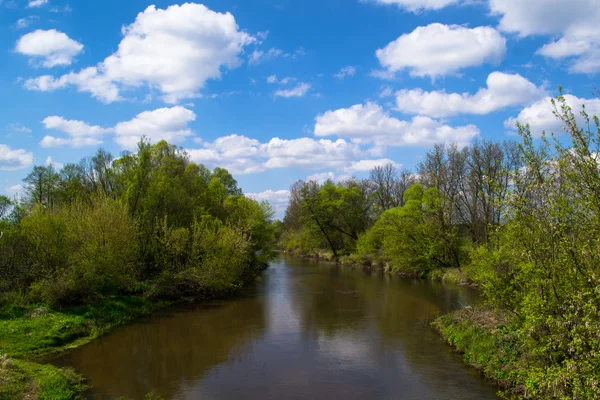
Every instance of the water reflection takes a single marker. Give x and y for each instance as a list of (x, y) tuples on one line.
[(308, 330)]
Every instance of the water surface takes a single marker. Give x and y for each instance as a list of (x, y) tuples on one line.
[(307, 330)]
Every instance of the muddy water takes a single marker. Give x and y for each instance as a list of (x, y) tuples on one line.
[(305, 331)]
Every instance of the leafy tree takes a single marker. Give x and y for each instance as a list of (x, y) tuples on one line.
[(410, 237)]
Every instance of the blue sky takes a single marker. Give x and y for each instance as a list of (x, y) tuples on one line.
[(283, 90)]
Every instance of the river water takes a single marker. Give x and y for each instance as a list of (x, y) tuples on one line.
[(307, 330)]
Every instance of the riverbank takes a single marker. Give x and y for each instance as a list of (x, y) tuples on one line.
[(455, 276), (488, 341), (29, 332)]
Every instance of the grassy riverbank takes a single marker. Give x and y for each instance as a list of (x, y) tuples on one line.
[(489, 342), (28, 332)]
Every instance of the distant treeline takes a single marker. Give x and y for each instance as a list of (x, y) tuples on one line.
[(148, 222), (521, 220), (412, 221)]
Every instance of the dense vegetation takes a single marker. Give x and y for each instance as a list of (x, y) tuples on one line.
[(101, 242), (410, 222), (522, 221)]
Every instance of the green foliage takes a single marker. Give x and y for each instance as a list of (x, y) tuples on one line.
[(542, 265), (104, 227), (326, 216), (151, 223), (489, 342), (410, 237)]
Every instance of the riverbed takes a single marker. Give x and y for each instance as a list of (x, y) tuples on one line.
[(305, 330)]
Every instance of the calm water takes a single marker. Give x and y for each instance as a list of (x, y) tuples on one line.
[(306, 331)]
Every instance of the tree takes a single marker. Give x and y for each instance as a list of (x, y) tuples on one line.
[(5, 206)]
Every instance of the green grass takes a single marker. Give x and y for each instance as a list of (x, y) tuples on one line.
[(35, 330), (489, 343), (28, 380)]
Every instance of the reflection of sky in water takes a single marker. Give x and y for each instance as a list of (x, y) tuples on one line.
[(307, 331)]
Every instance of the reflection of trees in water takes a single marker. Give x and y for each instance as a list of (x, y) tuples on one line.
[(340, 306), (165, 354), (329, 298)]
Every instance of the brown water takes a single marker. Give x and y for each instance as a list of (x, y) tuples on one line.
[(306, 331)]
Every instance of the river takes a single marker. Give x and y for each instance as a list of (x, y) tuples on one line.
[(306, 330)]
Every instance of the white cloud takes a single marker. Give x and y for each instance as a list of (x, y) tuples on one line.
[(369, 123), (56, 165), (573, 21), (73, 127), (14, 190), (12, 160), (419, 5), (243, 155), (170, 124), (87, 80), (23, 23), (540, 118), (52, 141), (36, 3), (79, 133), (346, 71), (175, 51), (322, 177), (503, 90), (385, 91), (297, 91), (368, 165), (278, 199), (437, 50), (309, 153), (53, 47)]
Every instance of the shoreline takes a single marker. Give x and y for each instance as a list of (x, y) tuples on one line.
[(34, 334)]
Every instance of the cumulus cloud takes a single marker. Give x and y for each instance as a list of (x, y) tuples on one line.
[(309, 153), (88, 80), (173, 50), (53, 47), (503, 90), (52, 141), (369, 123), (540, 118), (346, 71), (170, 124), (14, 190), (73, 127), (437, 49), (368, 165), (418, 5), (278, 199), (573, 21), (54, 164), (321, 177), (243, 155), (79, 133), (12, 160), (298, 91)]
